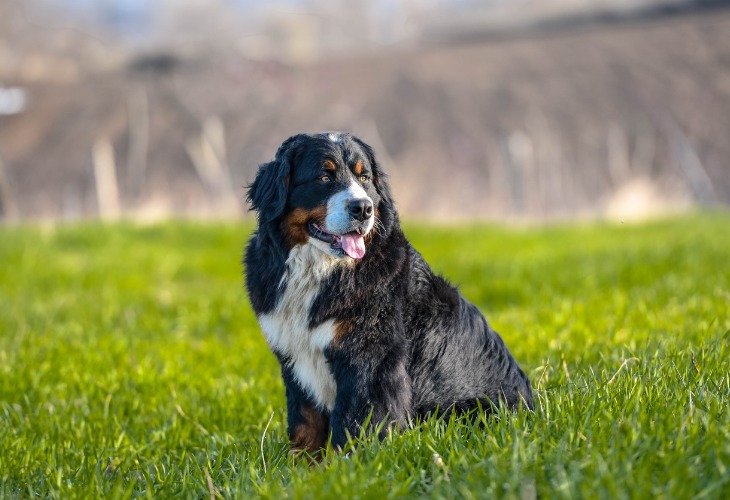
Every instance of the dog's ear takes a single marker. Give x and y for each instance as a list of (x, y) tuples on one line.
[(268, 192), (380, 178)]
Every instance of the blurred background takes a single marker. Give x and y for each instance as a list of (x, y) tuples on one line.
[(494, 109)]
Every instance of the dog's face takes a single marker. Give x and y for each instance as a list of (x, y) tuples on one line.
[(325, 189)]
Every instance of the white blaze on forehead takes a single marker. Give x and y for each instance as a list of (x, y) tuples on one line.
[(334, 137)]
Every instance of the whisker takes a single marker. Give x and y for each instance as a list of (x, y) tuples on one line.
[(379, 227)]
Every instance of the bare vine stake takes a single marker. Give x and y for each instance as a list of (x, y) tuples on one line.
[(105, 176)]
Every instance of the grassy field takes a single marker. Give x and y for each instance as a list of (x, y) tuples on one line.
[(131, 365)]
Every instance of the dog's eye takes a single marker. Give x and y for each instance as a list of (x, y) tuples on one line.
[(364, 178), (325, 178)]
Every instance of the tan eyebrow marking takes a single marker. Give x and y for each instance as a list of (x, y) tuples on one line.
[(329, 165), (358, 167)]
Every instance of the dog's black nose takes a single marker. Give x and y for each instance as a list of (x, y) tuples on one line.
[(360, 209)]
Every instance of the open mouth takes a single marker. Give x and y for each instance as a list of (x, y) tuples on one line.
[(352, 243)]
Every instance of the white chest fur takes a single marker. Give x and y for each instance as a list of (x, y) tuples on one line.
[(287, 327)]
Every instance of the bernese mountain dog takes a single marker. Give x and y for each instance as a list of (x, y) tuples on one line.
[(362, 327)]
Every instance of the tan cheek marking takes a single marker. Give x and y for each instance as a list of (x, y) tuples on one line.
[(294, 226)]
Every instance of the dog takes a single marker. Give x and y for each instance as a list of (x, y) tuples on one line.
[(364, 330)]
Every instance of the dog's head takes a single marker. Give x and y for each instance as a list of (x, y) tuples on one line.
[(325, 189)]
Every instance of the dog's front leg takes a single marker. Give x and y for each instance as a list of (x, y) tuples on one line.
[(308, 426), (376, 387)]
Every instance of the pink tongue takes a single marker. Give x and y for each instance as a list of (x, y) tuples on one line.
[(354, 245)]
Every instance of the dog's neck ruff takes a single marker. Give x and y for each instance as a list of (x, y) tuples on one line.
[(287, 328), (307, 264)]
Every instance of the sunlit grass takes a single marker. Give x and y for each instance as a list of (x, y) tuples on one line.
[(131, 364)]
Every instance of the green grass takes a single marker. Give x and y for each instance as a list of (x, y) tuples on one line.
[(132, 365)]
